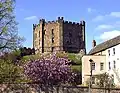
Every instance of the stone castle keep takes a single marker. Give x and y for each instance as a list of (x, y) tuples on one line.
[(59, 35)]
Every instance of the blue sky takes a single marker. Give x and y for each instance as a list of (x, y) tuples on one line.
[(102, 17)]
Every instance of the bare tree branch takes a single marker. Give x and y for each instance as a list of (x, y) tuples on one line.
[(9, 38), (5, 26)]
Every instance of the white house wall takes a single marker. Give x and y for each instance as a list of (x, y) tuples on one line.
[(86, 66), (115, 58)]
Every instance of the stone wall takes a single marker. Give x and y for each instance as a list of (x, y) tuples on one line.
[(68, 36), (73, 37), (27, 88)]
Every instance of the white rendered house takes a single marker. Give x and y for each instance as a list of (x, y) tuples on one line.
[(111, 51)]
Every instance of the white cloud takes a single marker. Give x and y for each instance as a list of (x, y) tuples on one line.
[(89, 10), (109, 35), (104, 27), (31, 18), (102, 17), (98, 18), (115, 14)]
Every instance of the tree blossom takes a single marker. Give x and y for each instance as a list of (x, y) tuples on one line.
[(49, 71)]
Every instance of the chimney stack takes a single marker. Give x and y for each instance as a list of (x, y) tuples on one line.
[(93, 43)]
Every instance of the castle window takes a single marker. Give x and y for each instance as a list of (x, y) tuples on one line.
[(52, 40), (70, 34), (39, 33), (52, 32), (68, 42), (39, 42), (52, 49), (52, 35)]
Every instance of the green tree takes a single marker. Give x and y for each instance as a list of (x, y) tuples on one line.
[(105, 80), (8, 72), (9, 38)]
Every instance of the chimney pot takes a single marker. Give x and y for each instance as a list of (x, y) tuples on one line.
[(93, 43)]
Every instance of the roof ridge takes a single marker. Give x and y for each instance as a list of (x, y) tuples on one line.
[(105, 45)]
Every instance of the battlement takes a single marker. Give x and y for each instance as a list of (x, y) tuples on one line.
[(41, 20), (74, 23), (34, 26), (82, 22), (50, 22), (60, 18)]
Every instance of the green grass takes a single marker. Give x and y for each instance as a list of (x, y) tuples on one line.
[(74, 58), (76, 68), (71, 56)]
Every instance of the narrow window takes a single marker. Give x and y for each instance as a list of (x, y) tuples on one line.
[(39, 33), (113, 51), (101, 66), (52, 35), (52, 32), (70, 34), (39, 37), (52, 40), (39, 42), (114, 64), (52, 49), (109, 52), (109, 66)]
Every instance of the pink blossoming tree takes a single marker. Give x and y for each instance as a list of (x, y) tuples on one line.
[(49, 72)]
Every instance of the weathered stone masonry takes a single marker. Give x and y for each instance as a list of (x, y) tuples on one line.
[(59, 35)]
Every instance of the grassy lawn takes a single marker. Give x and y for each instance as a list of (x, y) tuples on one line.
[(71, 56), (77, 67)]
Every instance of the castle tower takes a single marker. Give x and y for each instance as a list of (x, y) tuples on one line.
[(59, 35)]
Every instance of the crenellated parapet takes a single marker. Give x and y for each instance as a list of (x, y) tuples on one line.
[(41, 20), (74, 23), (60, 18), (82, 23), (34, 26), (67, 35), (50, 22)]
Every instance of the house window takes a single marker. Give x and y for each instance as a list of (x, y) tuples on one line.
[(114, 64), (109, 66), (113, 51), (93, 66), (93, 80), (101, 66), (109, 52)]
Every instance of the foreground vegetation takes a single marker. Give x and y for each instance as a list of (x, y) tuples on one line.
[(12, 66)]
